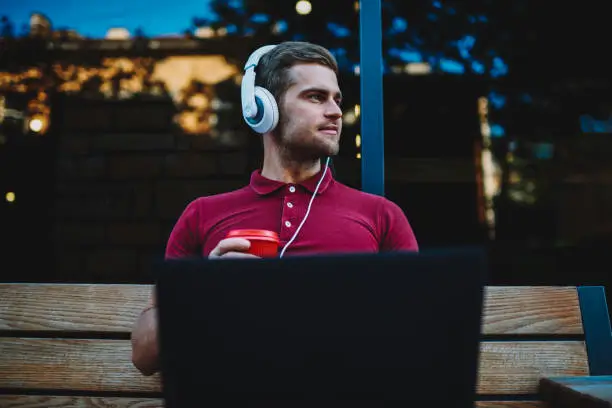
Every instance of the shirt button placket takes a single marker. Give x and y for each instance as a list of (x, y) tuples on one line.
[(288, 213)]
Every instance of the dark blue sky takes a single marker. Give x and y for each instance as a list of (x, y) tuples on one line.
[(94, 18)]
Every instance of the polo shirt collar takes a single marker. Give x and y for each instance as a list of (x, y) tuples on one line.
[(262, 185)]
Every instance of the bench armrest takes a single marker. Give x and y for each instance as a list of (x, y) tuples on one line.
[(583, 392)]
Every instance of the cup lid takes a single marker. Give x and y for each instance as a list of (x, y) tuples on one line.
[(253, 233)]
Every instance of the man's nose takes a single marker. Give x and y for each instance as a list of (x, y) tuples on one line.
[(333, 110)]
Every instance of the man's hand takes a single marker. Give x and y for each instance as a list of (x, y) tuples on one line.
[(232, 248)]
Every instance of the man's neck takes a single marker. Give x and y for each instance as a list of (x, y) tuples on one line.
[(288, 171)]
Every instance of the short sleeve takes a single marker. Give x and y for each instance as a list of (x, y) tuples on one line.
[(395, 230), (185, 239)]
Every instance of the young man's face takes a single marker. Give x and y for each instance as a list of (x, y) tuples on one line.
[(310, 114)]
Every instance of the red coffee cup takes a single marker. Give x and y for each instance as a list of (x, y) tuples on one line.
[(264, 243)]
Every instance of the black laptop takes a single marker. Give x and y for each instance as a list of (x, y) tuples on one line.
[(365, 330)]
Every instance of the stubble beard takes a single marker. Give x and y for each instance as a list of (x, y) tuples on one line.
[(301, 147)]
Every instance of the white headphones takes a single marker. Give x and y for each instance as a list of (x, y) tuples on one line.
[(259, 108)]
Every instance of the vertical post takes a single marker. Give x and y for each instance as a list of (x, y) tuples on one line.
[(371, 77), (597, 330)]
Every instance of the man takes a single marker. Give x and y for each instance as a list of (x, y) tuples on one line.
[(302, 79)]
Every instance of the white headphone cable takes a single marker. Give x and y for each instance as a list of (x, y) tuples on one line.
[(307, 210)]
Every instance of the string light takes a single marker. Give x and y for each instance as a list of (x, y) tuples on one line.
[(303, 7)]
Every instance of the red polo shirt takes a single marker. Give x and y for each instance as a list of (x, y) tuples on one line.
[(341, 220)]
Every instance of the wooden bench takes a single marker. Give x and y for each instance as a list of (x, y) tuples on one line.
[(68, 344)]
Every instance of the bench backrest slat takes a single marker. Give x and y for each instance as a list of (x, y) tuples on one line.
[(71, 364), (17, 401), (29, 401), (531, 310), (104, 365), (515, 367), (71, 307), (115, 307)]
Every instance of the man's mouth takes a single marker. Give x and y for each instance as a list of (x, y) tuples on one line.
[(329, 130)]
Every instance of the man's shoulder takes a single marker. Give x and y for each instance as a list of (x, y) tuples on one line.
[(362, 197), (221, 199), (389, 220)]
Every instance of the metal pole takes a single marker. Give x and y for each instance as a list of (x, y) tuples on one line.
[(371, 77)]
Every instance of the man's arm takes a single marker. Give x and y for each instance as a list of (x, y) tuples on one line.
[(145, 349), (183, 242), (145, 346), (395, 230)]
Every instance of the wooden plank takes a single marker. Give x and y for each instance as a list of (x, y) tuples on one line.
[(115, 308), (516, 367), (72, 307), (37, 401), (531, 310), (53, 401), (71, 364), (509, 404), (105, 365)]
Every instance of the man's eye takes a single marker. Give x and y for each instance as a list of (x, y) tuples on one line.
[(316, 97)]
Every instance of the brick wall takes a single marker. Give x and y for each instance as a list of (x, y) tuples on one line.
[(123, 180)]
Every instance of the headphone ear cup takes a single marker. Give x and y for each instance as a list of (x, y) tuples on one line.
[(267, 112)]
